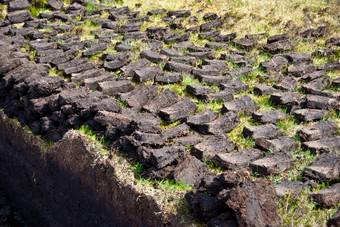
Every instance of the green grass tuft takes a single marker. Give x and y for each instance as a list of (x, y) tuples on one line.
[(101, 143), (302, 211)]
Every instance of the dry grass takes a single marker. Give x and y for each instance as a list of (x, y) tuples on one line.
[(301, 211), (3, 11), (247, 16)]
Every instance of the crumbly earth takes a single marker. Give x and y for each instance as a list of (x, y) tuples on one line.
[(179, 91)]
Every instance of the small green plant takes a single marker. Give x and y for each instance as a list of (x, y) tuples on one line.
[(39, 3), (55, 72), (90, 6), (167, 124), (123, 103), (37, 7), (173, 185), (179, 88), (27, 128), (88, 131), (84, 31), (78, 18), (32, 55), (100, 143), (34, 11), (120, 2), (215, 105), (138, 169), (3, 11), (213, 166), (46, 145)]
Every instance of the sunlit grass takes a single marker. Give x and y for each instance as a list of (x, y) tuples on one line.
[(269, 16), (301, 211)]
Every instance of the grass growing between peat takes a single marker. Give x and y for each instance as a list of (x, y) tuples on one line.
[(243, 17), (302, 211)]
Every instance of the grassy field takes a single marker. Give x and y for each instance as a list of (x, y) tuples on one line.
[(247, 17)]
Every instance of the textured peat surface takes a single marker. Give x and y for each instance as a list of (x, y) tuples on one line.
[(9, 216), (144, 88)]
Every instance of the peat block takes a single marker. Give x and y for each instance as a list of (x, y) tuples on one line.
[(148, 139), (254, 204), (272, 164), (178, 110), (191, 139), (276, 64), (212, 145), (237, 159), (147, 73), (282, 45), (153, 56), (93, 83), (326, 167), (190, 171), (285, 98), (106, 118), (266, 131), (300, 70), (177, 131), (171, 52), (298, 58), (162, 100), (100, 47), (286, 84), (264, 90), (310, 114), (321, 102), (214, 80), (201, 118), (114, 87), (166, 155), (316, 84), (198, 90), (145, 122), (178, 67), (128, 70), (242, 104), (245, 43), (19, 16), (233, 199), (234, 86), (292, 188), (327, 197), (283, 143), (169, 78), (272, 116), (313, 75), (318, 130), (328, 144), (116, 61), (225, 123), (184, 60), (139, 96), (107, 104)]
